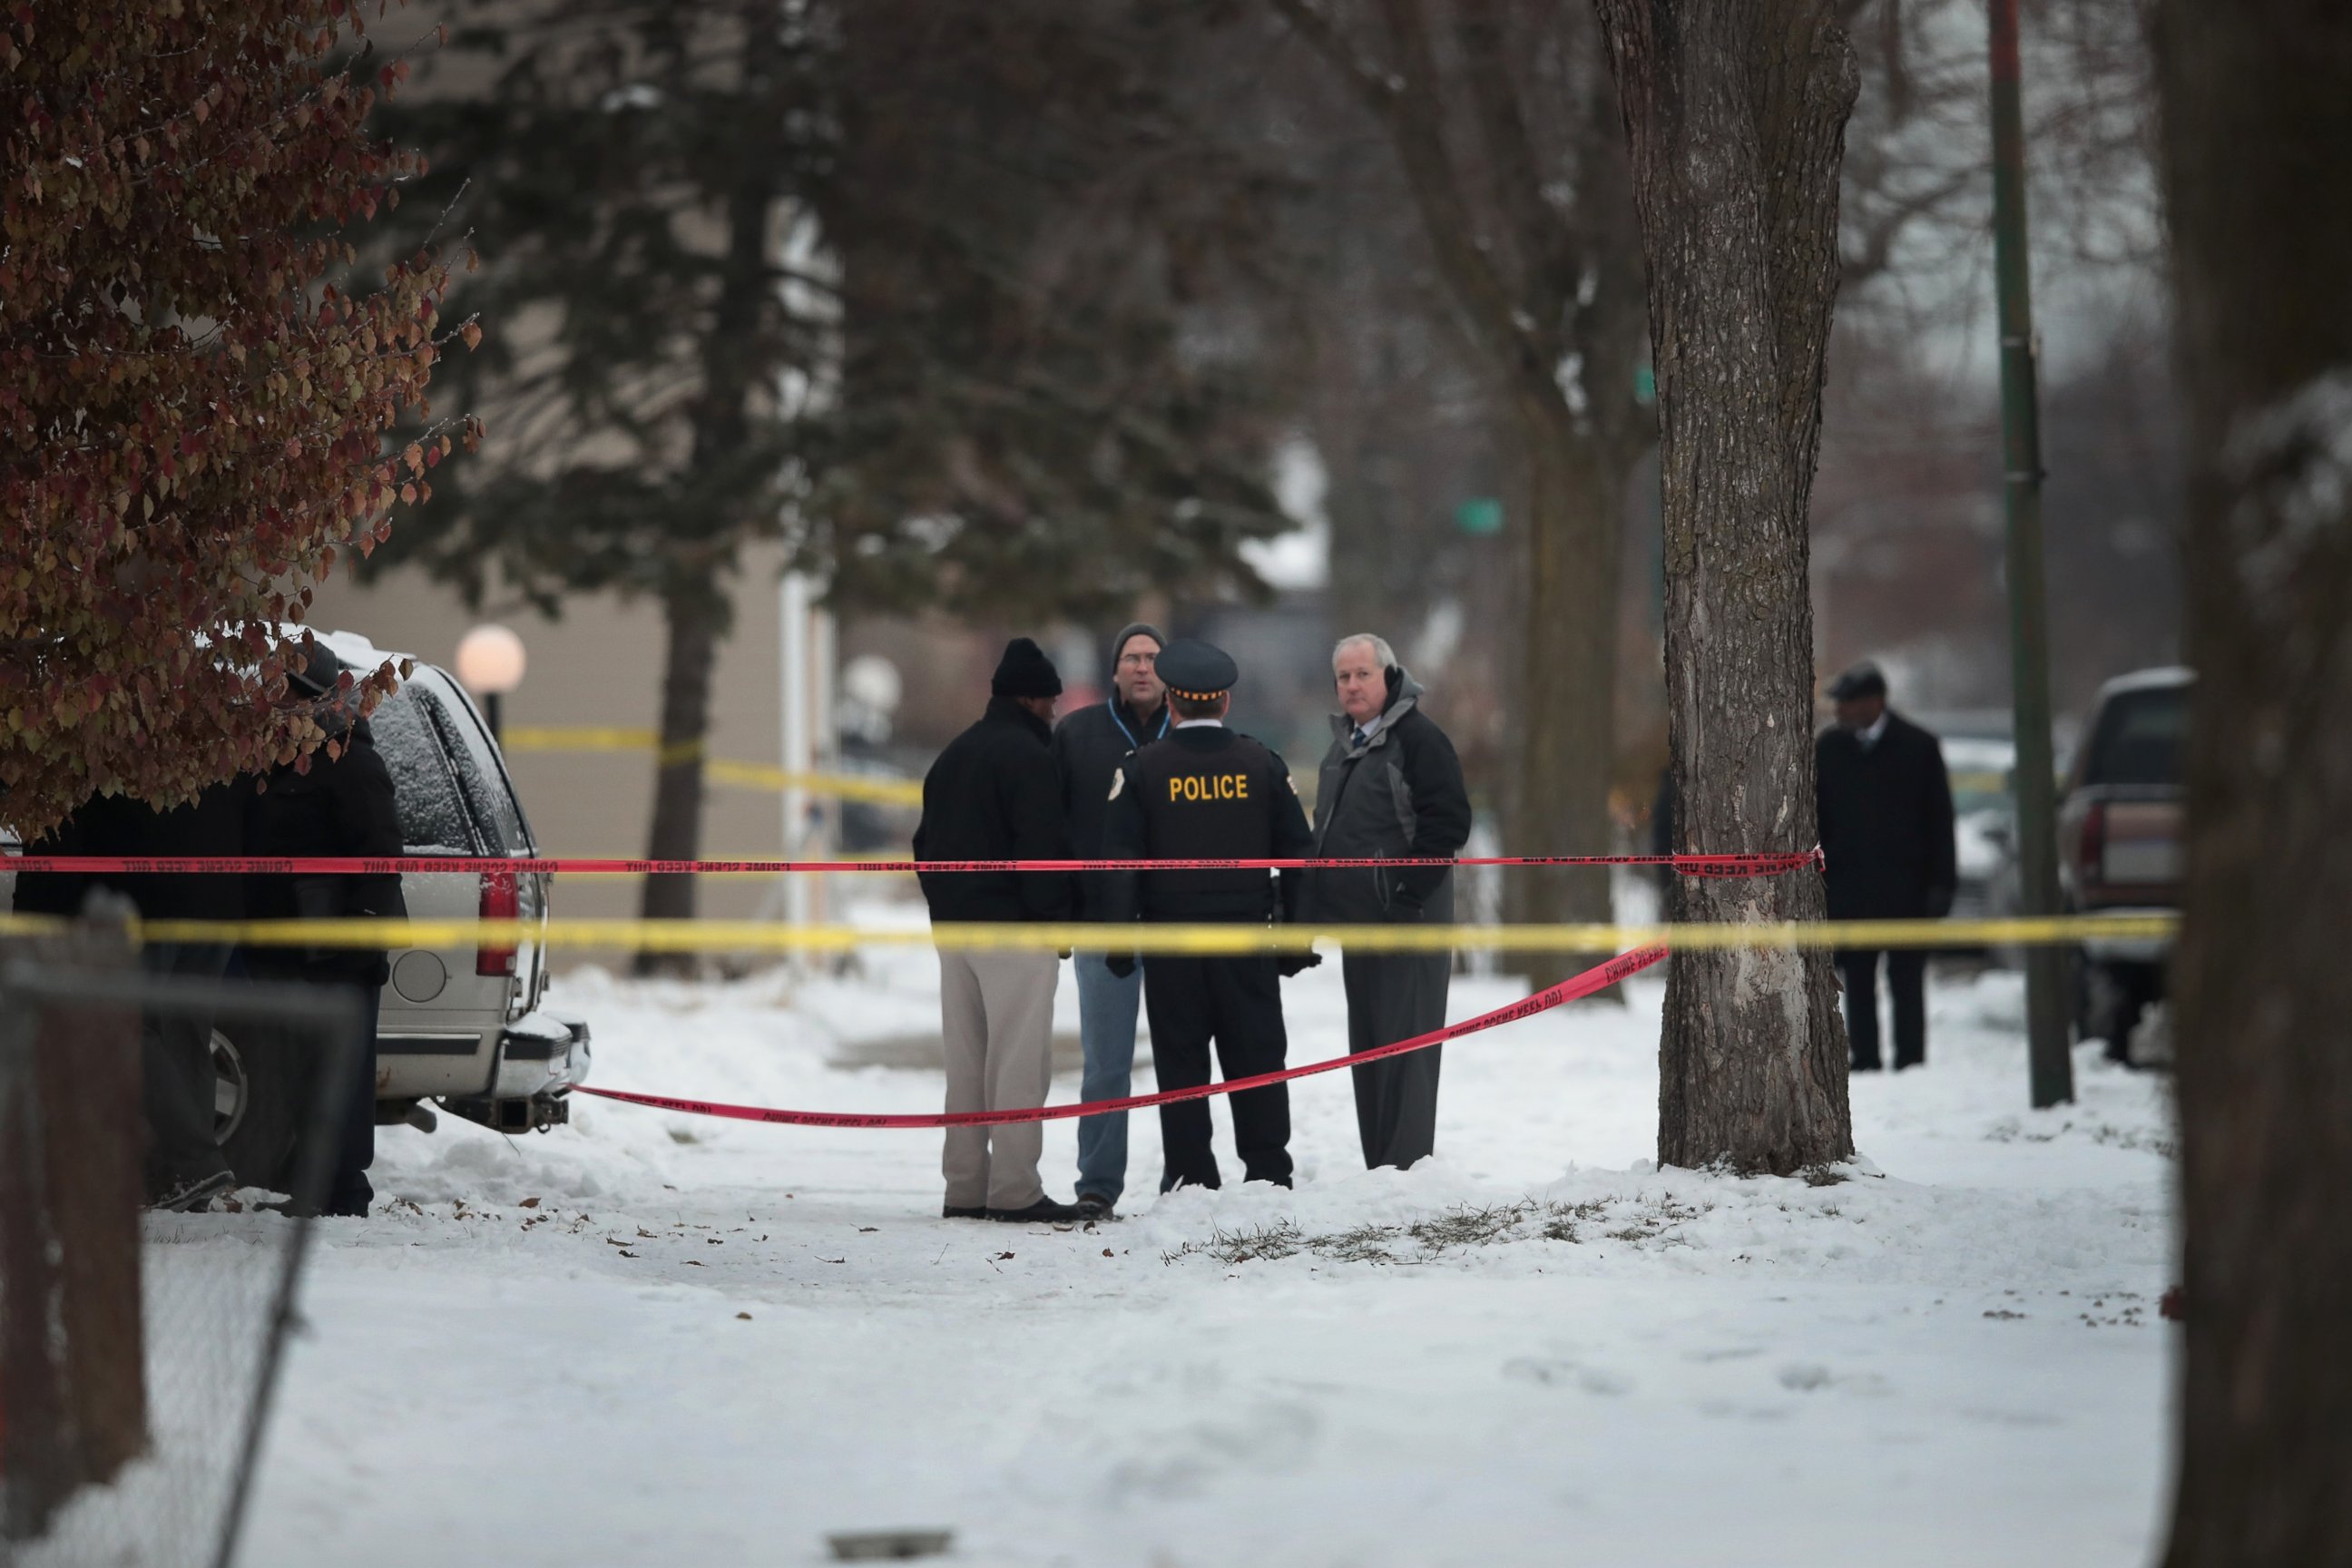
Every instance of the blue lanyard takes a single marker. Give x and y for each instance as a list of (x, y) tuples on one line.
[(1123, 729)]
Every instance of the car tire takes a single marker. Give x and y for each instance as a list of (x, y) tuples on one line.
[(260, 1088)]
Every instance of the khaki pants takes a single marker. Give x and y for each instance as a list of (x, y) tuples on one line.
[(996, 1027)]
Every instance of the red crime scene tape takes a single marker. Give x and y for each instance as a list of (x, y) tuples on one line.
[(1599, 978), (458, 865)]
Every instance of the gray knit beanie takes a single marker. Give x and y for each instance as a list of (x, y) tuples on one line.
[(1134, 629)]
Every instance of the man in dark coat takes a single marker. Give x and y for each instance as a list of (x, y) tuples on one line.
[(1886, 808), (1390, 788), (185, 1167), (341, 804), (994, 795), (1088, 746), (184, 1164), (1208, 793)]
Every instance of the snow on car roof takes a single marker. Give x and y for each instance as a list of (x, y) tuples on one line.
[(353, 649), (2171, 674)]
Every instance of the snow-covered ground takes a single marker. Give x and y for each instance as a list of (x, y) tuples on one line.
[(650, 1339)]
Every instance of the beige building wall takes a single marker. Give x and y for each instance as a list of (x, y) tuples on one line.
[(600, 664)]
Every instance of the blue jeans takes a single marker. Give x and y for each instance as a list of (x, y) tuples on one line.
[(1106, 1008)]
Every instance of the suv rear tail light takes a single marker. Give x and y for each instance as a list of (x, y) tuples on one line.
[(2092, 855), (499, 903)]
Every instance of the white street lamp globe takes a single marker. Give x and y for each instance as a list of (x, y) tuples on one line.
[(490, 661), (875, 681)]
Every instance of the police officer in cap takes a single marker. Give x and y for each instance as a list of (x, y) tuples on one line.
[(1205, 792)]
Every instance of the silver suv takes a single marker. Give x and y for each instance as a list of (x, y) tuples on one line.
[(461, 1024)]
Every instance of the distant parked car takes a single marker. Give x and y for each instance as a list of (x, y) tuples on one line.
[(1984, 825), (1981, 759), (461, 1024), (2120, 845)]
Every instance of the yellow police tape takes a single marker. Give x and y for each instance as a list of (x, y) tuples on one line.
[(767, 936), (717, 770)]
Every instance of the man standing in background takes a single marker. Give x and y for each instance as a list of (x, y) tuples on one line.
[(1088, 746), (992, 795), (1886, 810), (1390, 789)]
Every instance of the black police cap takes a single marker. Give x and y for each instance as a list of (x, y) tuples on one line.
[(1197, 672)]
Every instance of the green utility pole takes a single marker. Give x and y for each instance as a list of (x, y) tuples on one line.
[(2046, 1009)]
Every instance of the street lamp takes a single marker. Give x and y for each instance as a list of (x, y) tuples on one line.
[(490, 662)]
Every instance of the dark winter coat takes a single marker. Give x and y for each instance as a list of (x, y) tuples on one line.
[(1088, 746), (994, 795), (1203, 794), (211, 825), (1400, 794), (54, 892), (1886, 822), (342, 804)]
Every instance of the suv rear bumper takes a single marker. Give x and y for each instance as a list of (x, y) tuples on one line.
[(540, 1053), (542, 1056)]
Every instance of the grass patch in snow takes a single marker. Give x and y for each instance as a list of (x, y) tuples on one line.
[(2164, 1144), (1657, 1219), (1648, 1219), (1279, 1240)]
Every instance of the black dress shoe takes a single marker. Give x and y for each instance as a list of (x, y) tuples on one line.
[(1094, 1206), (961, 1211), (1044, 1209)]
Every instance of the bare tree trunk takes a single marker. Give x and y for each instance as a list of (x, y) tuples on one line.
[(1564, 712), (1735, 111), (736, 367), (690, 656), (2257, 131), (1544, 290)]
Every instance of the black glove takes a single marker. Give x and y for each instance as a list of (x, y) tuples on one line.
[(1404, 899), (1121, 964), (1296, 963), (1940, 902)]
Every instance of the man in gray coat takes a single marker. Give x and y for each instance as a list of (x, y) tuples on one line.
[(1390, 788)]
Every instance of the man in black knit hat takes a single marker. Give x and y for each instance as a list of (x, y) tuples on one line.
[(1088, 746), (994, 795)]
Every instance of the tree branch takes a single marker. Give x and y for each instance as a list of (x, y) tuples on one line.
[(1539, 231), (1875, 252), (1406, 106)]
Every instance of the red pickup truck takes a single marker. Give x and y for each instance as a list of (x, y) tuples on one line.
[(2120, 844)]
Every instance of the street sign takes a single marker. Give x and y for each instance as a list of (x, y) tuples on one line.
[(1480, 515)]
